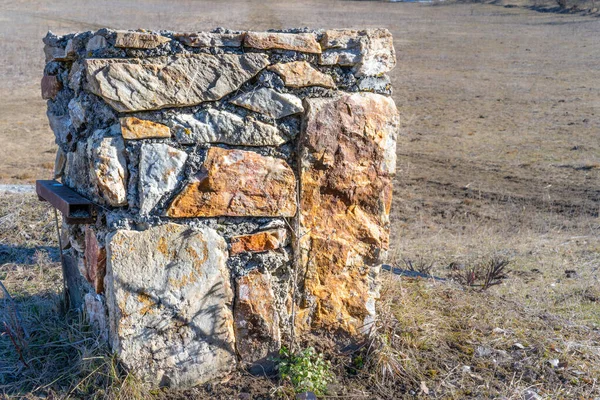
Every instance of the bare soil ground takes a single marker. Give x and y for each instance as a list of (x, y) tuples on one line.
[(499, 156)]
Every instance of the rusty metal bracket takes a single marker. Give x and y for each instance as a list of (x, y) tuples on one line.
[(75, 208)]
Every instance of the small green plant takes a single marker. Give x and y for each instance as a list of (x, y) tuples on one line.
[(307, 371)]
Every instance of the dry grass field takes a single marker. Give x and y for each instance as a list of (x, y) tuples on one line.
[(498, 158)]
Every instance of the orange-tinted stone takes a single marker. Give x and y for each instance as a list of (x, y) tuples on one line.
[(261, 241), (256, 318), (238, 183), (135, 128), (347, 162), (50, 87), (301, 74)]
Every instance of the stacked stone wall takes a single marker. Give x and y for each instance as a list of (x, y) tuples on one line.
[(239, 177)]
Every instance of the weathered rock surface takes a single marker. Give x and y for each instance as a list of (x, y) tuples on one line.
[(138, 40), (270, 102), (75, 76), (301, 74), (238, 183), (170, 304), (256, 319), (77, 170), (59, 163), (77, 112), (176, 81), (61, 126), (159, 171), (260, 241), (134, 128), (50, 87), (371, 51), (109, 166), (94, 259), (97, 42), (96, 313), (347, 164), (375, 83), (208, 39), (55, 52), (304, 42), (214, 126)]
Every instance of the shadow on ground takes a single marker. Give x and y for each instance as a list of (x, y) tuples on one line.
[(27, 255)]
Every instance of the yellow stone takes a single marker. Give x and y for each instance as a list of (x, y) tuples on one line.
[(347, 164), (134, 128)]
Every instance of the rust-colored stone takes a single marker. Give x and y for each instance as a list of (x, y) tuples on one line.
[(256, 318), (134, 128), (301, 74), (261, 241), (94, 259), (347, 162), (305, 42), (238, 183), (50, 87)]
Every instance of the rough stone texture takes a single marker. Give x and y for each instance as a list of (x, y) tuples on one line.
[(170, 305), (229, 133), (55, 52), (371, 51), (94, 259), (96, 43), (134, 128), (270, 102), (96, 313), (109, 166), (298, 74), (207, 39), (50, 87), (77, 113), (304, 42), (256, 319), (176, 81), (375, 83), (261, 241), (347, 163), (77, 170), (74, 78), (59, 163), (214, 126), (160, 169), (238, 183), (61, 126), (138, 40)]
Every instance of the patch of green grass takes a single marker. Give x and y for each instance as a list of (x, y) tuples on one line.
[(306, 370)]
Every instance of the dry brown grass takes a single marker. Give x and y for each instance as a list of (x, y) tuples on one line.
[(456, 343), (44, 353)]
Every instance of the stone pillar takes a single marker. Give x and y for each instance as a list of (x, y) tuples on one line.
[(243, 183)]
